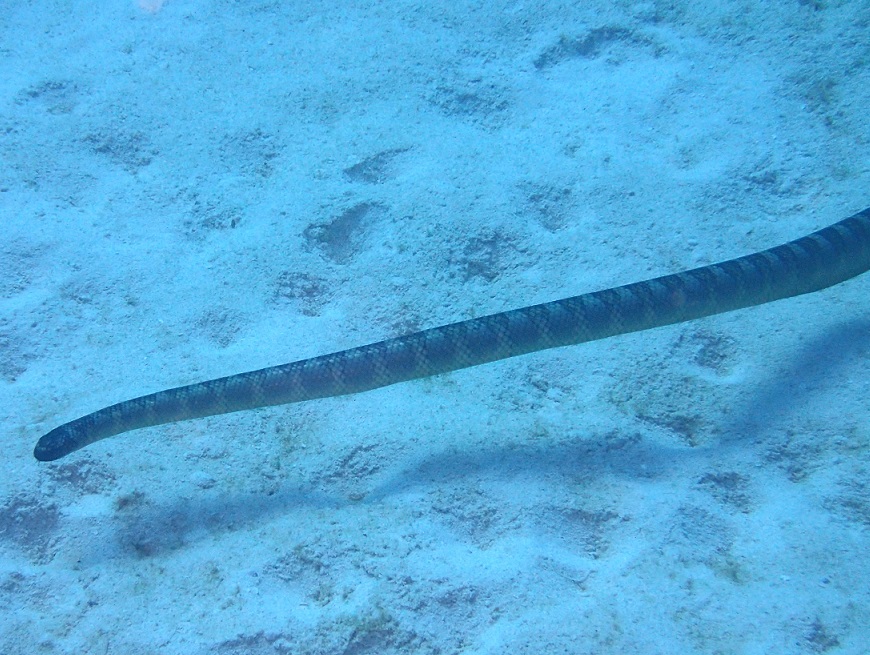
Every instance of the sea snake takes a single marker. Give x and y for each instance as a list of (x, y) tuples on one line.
[(814, 262)]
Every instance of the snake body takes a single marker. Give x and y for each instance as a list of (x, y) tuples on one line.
[(819, 260)]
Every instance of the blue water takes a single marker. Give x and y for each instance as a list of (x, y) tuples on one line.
[(190, 189)]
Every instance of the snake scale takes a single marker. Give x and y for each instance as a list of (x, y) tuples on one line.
[(819, 260)]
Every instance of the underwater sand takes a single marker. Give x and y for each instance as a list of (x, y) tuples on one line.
[(193, 188)]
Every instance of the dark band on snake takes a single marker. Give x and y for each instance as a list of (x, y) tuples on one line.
[(819, 260)]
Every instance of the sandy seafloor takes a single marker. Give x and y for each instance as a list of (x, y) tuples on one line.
[(196, 188)]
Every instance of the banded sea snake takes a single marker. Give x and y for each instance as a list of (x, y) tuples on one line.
[(814, 262)]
